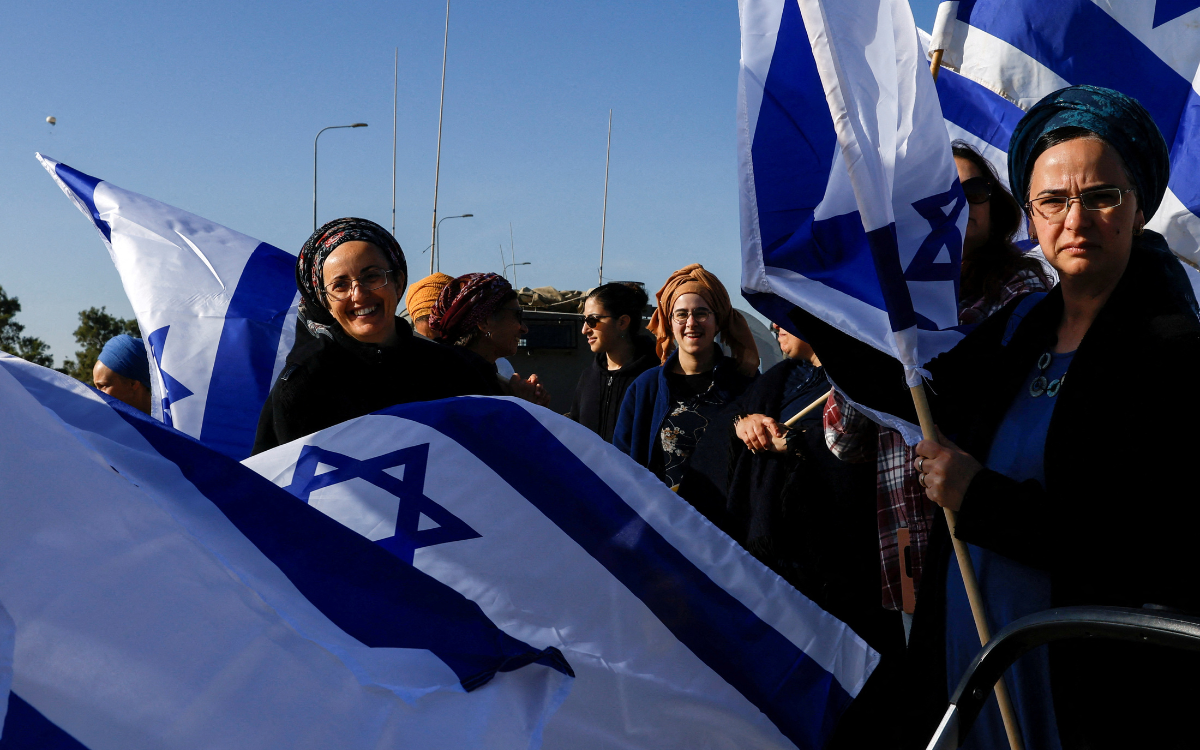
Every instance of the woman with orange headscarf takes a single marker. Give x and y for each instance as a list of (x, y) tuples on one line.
[(667, 409)]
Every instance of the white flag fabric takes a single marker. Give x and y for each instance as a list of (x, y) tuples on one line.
[(164, 595), (216, 308), (1023, 50), (679, 638), (851, 207)]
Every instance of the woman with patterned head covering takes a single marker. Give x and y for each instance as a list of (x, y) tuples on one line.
[(479, 316), (1067, 493), (359, 357), (666, 410)]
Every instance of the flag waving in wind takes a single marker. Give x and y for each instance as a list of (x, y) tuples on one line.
[(1023, 50), (851, 207), (216, 308)]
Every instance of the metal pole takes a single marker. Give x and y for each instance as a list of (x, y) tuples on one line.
[(318, 135), (604, 214), (395, 107), (513, 252), (437, 170)]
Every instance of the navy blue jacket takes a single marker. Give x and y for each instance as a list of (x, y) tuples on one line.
[(649, 399)]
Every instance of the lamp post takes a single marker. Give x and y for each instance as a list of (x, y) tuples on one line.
[(322, 130), (513, 266), (437, 245)]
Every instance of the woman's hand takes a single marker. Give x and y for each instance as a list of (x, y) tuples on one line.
[(946, 471), (529, 389), (757, 432)]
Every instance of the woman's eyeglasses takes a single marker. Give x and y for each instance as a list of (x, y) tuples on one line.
[(1054, 208), (699, 315), (978, 190), (341, 289), (591, 321)]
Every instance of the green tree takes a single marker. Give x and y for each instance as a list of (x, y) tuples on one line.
[(28, 348), (96, 327)]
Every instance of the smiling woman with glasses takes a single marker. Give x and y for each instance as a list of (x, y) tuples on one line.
[(668, 408), (612, 325), (352, 355)]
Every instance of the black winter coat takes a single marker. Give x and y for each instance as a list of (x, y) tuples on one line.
[(599, 392), (328, 381), (1116, 520)]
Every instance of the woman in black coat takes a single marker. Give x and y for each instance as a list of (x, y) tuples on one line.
[(352, 354), (612, 323), (1057, 481)]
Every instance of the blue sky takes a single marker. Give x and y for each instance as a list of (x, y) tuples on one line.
[(212, 107)]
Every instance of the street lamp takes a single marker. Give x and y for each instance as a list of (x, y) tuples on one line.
[(513, 266), (322, 130), (437, 235)]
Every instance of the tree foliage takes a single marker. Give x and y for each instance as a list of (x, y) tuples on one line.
[(96, 327), (12, 341)]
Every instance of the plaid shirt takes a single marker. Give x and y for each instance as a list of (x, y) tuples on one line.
[(900, 498)]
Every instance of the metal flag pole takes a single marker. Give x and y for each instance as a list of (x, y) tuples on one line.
[(604, 213), (395, 107), (437, 170)]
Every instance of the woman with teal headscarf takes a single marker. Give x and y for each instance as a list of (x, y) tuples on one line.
[(1074, 412)]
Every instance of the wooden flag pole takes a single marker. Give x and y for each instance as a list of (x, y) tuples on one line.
[(965, 566), (970, 582), (779, 445)]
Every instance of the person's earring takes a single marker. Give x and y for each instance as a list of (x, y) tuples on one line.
[(488, 334), (1139, 229)]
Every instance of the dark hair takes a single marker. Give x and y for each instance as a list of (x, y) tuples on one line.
[(474, 334), (623, 298), (993, 264), (1058, 136)]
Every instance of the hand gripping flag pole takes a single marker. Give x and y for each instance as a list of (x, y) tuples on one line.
[(965, 565)]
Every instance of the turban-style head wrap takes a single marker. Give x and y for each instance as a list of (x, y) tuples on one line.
[(467, 301), (735, 332), (422, 294), (1122, 122), (309, 274), (126, 356)]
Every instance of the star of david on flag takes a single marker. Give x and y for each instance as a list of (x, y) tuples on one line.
[(409, 523)]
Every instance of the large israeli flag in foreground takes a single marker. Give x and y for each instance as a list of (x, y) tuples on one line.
[(678, 637), (216, 308), (851, 208), (161, 595), (1149, 49)]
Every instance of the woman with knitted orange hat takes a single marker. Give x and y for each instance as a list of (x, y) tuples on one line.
[(667, 409)]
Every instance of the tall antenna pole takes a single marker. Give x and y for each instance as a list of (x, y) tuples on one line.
[(513, 252), (395, 106), (604, 215), (437, 171)]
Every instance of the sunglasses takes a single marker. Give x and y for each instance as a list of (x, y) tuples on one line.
[(978, 190), (591, 321)]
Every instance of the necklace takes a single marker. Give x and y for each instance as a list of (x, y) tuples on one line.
[(1040, 385)]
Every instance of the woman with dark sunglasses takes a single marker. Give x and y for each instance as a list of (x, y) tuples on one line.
[(612, 324)]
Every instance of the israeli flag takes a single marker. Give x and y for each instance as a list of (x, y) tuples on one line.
[(851, 207), (159, 594), (1023, 50), (679, 638), (216, 308)]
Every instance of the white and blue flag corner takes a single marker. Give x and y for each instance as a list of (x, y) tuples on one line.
[(850, 201), (163, 595), (1022, 50), (678, 637), (216, 308)]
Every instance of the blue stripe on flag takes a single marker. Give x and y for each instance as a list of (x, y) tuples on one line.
[(25, 728), (977, 109), (796, 694), (1185, 156), (1083, 44), (245, 360), (794, 140), (84, 187), (359, 586)]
